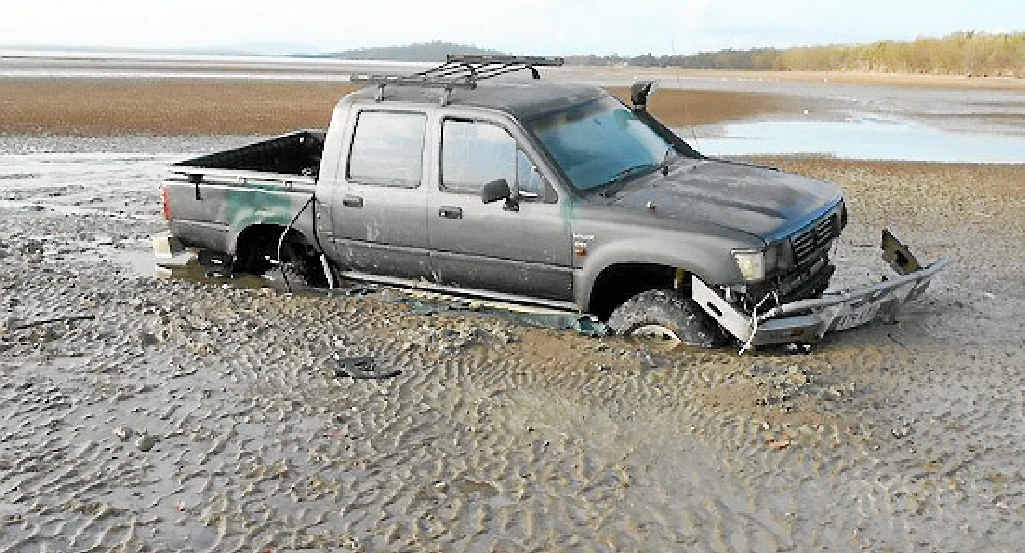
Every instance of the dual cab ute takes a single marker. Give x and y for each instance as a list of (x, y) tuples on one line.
[(549, 194)]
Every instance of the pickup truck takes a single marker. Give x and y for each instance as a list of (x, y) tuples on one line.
[(530, 191)]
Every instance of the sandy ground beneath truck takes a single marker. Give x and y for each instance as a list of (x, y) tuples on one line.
[(142, 414)]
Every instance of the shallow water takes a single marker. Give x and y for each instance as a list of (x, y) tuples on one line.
[(856, 138)]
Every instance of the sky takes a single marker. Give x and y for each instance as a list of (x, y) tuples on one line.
[(536, 27)]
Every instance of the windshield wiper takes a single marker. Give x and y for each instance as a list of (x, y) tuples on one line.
[(622, 176)]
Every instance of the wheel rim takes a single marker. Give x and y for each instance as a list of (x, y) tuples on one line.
[(656, 331)]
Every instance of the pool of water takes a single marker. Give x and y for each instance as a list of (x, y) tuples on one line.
[(860, 138)]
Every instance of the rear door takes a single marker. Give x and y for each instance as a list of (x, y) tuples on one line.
[(489, 247), (379, 209)]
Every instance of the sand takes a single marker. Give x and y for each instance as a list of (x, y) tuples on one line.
[(200, 416), (207, 415), (174, 107)]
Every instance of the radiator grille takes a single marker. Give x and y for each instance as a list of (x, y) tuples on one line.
[(814, 239)]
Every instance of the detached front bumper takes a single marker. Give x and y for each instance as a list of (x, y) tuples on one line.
[(809, 320)]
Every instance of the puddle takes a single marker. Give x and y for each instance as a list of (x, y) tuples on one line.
[(856, 139)]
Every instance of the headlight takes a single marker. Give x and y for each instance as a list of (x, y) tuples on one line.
[(751, 263)]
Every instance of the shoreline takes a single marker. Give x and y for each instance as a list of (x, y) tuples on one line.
[(819, 77), (198, 107)]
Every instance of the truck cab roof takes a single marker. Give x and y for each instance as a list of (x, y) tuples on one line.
[(521, 99)]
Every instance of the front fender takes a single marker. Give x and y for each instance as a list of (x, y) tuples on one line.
[(706, 256)]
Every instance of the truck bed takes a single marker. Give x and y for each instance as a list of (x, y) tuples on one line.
[(294, 154), (209, 200)]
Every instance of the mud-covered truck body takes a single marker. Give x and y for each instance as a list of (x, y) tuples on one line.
[(551, 194)]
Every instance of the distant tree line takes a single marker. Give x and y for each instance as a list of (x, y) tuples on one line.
[(757, 58), (961, 53), (420, 51)]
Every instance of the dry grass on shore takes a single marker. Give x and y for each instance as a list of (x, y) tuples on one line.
[(163, 107), (104, 107)]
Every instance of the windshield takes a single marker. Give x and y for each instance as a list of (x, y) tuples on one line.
[(599, 142)]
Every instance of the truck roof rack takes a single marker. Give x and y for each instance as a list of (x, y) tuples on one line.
[(461, 71)]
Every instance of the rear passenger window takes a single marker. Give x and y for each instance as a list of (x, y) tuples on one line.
[(387, 148), (473, 153)]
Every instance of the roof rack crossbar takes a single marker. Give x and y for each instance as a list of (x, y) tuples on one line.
[(551, 61), (443, 70), (462, 71), (491, 72), (412, 81)]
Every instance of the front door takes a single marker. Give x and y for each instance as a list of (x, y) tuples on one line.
[(526, 251), (380, 205)]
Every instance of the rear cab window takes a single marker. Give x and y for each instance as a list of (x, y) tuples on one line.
[(387, 148)]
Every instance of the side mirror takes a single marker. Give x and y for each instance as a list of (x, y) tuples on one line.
[(639, 92), (495, 190)]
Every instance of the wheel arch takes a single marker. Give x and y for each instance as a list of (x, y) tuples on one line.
[(704, 256), (261, 236)]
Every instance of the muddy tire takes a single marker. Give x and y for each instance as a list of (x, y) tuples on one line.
[(301, 266), (667, 313)]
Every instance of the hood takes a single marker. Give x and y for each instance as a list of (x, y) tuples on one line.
[(762, 201)]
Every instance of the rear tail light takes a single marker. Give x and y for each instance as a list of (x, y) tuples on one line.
[(167, 204)]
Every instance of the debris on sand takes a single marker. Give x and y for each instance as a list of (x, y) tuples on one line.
[(40, 322), (901, 431), (362, 368), (123, 433), (778, 444), (145, 442)]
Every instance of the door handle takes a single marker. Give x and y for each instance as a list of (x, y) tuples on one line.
[(448, 212), (352, 201)]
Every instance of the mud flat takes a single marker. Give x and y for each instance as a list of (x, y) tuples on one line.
[(175, 107), (171, 415)]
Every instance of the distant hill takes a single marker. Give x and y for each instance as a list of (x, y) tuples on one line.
[(421, 51)]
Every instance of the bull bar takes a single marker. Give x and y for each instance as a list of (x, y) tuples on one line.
[(807, 321)]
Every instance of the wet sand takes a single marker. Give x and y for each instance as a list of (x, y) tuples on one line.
[(198, 416), (172, 107)]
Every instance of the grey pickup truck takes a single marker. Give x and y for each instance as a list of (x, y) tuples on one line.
[(543, 193)]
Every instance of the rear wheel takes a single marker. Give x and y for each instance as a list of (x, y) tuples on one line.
[(667, 315), (299, 263), (301, 266)]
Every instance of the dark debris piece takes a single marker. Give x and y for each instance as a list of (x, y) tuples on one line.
[(589, 327), (362, 368), (360, 290)]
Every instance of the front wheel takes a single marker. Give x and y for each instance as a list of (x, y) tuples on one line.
[(668, 315)]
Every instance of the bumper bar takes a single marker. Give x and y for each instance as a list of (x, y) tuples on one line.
[(809, 320)]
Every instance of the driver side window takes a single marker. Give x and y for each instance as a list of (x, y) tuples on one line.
[(473, 153)]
